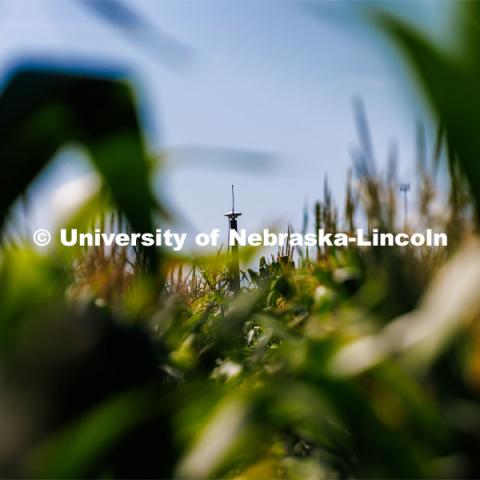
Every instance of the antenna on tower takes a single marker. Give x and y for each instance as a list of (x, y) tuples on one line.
[(233, 215)]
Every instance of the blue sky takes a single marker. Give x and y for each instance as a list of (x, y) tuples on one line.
[(266, 77)]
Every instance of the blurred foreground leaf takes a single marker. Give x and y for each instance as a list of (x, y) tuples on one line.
[(450, 79), (42, 110), (78, 449)]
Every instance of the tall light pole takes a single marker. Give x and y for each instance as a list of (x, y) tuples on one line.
[(234, 267), (404, 188)]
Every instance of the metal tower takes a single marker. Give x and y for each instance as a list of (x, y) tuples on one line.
[(404, 188), (234, 267)]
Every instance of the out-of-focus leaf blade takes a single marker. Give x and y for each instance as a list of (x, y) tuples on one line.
[(202, 156), (73, 452), (42, 110), (451, 84), (139, 29)]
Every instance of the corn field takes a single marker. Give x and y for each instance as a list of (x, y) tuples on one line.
[(328, 363)]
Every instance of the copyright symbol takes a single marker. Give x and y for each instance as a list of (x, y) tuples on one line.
[(41, 237)]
